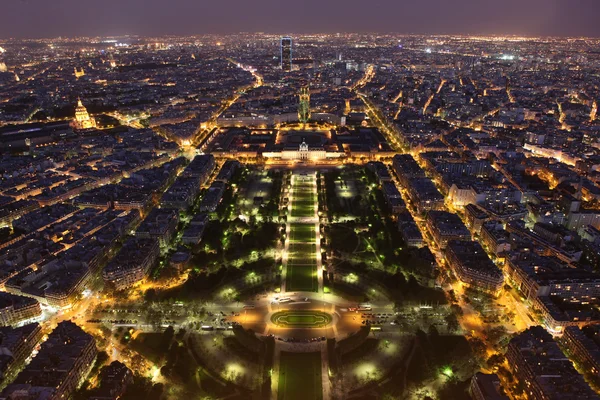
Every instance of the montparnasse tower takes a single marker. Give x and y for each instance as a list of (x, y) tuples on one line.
[(304, 105), (82, 117)]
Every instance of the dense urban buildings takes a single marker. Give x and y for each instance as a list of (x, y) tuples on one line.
[(317, 216), (540, 364), (59, 367)]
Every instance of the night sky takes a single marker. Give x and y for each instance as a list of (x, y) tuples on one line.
[(51, 18)]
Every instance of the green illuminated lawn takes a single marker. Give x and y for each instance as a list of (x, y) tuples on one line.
[(302, 253), (303, 195), (302, 233), (303, 209), (303, 203), (302, 278), (301, 273), (301, 319), (300, 376), (302, 268)]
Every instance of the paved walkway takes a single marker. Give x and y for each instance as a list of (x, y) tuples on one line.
[(325, 372), (275, 374)]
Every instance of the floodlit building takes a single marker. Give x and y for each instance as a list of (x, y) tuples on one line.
[(16, 344), (583, 347), (304, 105), (114, 379), (486, 387), (445, 226), (15, 308), (536, 276), (160, 224), (132, 264), (79, 72), (62, 363), (473, 267), (82, 118), (546, 373)]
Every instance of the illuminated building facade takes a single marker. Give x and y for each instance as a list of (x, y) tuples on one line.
[(15, 309), (56, 372), (79, 72), (82, 118), (539, 364), (304, 105), (472, 266)]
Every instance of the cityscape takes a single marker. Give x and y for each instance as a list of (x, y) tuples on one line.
[(333, 216)]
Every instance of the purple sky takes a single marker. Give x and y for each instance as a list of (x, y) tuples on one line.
[(50, 18)]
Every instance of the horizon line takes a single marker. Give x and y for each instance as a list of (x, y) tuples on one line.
[(166, 35)]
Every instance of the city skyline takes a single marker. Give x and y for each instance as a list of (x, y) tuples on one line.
[(299, 217), (70, 18)]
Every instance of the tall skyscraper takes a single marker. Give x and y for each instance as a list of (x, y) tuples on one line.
[(304, 105), (286, 53)]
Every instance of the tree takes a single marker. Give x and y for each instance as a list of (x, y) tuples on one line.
[(139, 389), (452, 322), (165, 370), (452, 296), (457, 310), (496, 334), (454, 390), (495, 360), (477, 347), (150, 295), (433, 332), (167, 338)]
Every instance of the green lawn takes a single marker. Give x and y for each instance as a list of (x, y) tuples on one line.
[(304, 199), (303, 208), (303, 193), (148, 344), (300, 376), (302, 253), (302, 233), (301, 278), (304, 320), (301, 272), (301, 318)]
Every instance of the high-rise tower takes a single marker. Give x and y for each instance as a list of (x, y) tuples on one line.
[(286, 53), (304, 105)]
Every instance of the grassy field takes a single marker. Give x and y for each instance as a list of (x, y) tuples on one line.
[(301, 319), (302, 263), (301, 278), (303, 253), (300, 376), (302, 267), (302, 233), (303, 209), (303, 203), (303, 195)]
